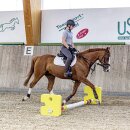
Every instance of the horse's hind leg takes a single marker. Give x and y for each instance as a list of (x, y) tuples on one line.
[(75, 87), (37, 77), (51, 80)]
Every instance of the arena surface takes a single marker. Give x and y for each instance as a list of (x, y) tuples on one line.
[(113, 114)]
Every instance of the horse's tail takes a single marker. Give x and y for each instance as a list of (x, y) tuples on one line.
[(31, 71)]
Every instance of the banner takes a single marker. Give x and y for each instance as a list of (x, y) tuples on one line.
[(12, 26), (92, 25)]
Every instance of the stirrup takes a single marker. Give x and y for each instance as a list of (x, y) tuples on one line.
[(68, 74)]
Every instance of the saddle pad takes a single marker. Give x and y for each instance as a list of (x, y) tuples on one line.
[(59, 61)]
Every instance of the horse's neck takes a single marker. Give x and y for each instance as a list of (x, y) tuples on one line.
[(13, 22), (92, 57)]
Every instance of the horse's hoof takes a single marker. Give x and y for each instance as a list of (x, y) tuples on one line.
[(96, 96), (98, 102), (64, 102), (89, 102), (23, 100)]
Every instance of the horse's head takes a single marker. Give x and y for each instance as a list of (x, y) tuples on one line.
[(104, 59), (14, 20), (17, 20)]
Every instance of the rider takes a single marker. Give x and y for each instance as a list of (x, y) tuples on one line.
[(68, 46)]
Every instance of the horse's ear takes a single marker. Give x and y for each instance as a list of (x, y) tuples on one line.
[(108, 48)]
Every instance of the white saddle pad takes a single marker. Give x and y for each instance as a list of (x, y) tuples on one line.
[(59, 61)]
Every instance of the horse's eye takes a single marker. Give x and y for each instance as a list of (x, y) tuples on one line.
[(107, 58)]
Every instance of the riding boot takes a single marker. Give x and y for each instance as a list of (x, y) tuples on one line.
[(68, 72)]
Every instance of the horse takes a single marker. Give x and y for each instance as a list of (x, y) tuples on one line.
[(43, 65), (10, 25)]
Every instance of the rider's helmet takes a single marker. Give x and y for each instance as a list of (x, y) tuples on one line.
[(71, 22)]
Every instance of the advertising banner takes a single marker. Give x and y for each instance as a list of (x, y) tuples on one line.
[(12, 26), (92, 25)]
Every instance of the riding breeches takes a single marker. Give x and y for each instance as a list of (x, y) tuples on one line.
[(69, 56)]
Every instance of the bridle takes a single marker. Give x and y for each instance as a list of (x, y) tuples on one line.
[(102, 64)]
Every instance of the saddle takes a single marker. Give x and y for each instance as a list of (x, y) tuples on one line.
[(64, 57), (60, 59)]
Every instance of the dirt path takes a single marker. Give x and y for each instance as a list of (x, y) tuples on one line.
[(113, 114)]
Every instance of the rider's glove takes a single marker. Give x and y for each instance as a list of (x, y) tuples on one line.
[(70, 49), (74, 50)]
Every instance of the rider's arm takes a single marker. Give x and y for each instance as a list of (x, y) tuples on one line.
[(64, 42), (64, 36), (72, 45)]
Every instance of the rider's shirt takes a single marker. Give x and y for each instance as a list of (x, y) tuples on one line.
[(68, 37)]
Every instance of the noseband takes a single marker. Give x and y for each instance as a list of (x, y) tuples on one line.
[(103, 64)]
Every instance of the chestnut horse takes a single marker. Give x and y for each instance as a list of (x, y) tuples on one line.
[(43, 65)]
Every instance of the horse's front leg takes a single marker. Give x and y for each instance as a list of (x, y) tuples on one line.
[(13, 27), (2, 29), (75, 87), (87, 82)]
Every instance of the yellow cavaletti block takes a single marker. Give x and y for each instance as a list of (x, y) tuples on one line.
[(52, 105), (90, 95)]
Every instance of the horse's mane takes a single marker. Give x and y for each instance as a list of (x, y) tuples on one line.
[(92, 50), (80, 55), (12, 20)]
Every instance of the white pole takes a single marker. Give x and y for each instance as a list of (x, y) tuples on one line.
[(74, 105)]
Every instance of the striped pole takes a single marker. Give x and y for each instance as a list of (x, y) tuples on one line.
[(74, 105)]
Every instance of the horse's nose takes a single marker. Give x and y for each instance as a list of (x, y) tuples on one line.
[(108, 70)]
